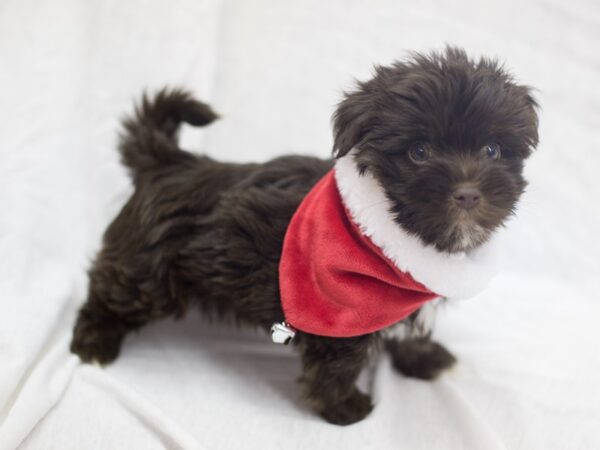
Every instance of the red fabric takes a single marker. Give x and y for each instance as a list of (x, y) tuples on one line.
[(333, 280)]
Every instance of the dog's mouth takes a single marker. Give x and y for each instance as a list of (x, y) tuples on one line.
[(467, 229), (464, 235)]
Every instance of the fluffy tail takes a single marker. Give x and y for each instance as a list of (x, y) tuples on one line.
[(149, 139)]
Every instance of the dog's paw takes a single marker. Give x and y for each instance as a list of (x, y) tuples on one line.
[(96, 341), (350, 410), (420, 358), (103, 351)]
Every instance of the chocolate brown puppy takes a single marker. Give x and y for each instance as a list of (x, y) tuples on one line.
[(439, 139)]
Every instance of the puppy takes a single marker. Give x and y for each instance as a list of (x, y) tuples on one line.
[(345, 256)]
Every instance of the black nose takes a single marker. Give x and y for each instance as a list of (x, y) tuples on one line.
[(467, 197)]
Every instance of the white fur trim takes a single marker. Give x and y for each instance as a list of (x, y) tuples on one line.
[(452, 275)]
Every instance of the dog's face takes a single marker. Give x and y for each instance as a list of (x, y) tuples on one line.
[(446, 138)]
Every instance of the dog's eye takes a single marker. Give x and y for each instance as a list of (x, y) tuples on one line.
[(491, 151), (419, 153)]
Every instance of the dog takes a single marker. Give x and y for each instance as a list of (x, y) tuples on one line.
[(427, 165)]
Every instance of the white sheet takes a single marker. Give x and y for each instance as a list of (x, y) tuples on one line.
[(528, 372)]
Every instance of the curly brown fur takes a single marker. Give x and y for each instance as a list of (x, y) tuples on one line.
[(198, 232)]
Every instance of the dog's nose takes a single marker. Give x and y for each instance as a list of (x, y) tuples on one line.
[(467, 197)]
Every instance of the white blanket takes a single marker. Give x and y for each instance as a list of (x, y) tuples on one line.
[(528, 376)]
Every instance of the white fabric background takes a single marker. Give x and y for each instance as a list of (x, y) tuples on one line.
[(529, 362)]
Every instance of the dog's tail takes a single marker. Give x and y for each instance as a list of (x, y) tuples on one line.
[(149, 137)]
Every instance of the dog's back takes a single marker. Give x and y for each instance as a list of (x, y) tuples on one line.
[(195, 231)]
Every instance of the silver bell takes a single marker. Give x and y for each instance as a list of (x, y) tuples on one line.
[(282, 333)]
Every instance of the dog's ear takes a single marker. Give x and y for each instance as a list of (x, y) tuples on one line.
[(351, 121), (534, 107), (528, 116)]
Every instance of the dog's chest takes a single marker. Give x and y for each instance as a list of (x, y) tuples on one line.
[(418, 325)]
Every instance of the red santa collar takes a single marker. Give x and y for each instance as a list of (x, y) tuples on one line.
[(348, 269)]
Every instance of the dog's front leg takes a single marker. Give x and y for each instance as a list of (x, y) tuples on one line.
[(413, 352), (419, 357), (330, 369)]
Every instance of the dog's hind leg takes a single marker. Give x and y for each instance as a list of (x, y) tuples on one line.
[(99, 332), (115, 306)]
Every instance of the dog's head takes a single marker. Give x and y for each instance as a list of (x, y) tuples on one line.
[(446, 137)]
